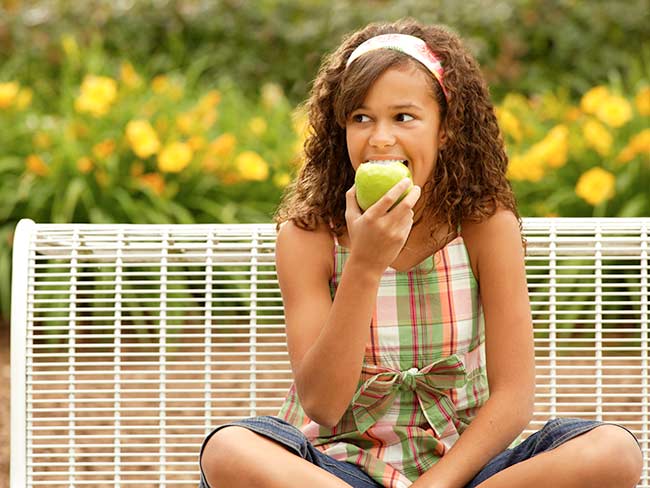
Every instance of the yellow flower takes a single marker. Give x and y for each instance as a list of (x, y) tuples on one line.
[(210, 100), (104, 149), (185, 123), (207, 118), (97, 95), (595, 186), (281, 179), (509, 123), (272, 95), (160, 84), (24, 98), (553, 150), (163, 85), (129, 76), (84, 164), (142, 138), (70, 47), (301, 123), (174, 157), (597, 136), (615, 111), (525, 168), (257, 125), (642, 101), (251, 166), (36, 165), (593, 99), (8, 93), (223, 145), (516, 102)]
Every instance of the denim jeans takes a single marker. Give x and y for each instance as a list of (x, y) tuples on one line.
[(554, 433), (295, 441)]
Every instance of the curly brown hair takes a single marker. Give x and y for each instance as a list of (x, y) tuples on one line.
[(469, 179)]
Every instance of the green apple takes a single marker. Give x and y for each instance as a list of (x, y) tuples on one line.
[(374, 178)]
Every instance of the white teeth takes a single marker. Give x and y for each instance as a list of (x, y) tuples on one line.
[(387, 161)]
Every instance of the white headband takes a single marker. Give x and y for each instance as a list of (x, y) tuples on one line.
[(410, 45)]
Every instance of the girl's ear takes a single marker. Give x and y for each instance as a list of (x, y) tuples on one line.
[(442, 137)]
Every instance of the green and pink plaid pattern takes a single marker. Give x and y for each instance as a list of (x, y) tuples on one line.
[(423, 378)]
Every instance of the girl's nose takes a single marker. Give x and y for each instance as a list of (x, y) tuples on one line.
[(381, 136)]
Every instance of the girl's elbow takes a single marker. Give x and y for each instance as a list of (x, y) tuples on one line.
[(322, 413), (322, 409)]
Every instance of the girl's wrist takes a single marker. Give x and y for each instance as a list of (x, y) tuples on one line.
[(363, 270)]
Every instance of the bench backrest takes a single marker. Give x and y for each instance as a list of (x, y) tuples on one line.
[(131, 342)]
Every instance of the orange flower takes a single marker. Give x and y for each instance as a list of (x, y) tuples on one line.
[(154, 182), (84, 164), (36, 165), (104, 149)]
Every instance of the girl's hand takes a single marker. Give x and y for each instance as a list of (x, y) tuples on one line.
[(378, 235)]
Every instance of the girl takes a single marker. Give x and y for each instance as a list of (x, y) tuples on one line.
[(397, 321)]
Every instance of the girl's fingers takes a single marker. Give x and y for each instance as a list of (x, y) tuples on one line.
[(385, 203), (352, 209)]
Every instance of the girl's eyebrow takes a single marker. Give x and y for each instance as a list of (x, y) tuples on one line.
[(403, 106), (399, 106)]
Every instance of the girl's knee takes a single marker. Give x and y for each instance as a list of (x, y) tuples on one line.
[(224, 456), (613, 454)]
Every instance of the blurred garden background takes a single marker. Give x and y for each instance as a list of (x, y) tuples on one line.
[(184, 111)]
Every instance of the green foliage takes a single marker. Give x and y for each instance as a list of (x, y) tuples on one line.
[(121, 147), (523, 45)]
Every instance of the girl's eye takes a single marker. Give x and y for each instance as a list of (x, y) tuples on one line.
[(404, 117), (360, 118)]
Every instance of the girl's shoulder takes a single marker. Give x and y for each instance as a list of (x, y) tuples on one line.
[(499, 233), (297, 247)]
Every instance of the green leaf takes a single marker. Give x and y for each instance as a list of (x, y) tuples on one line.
[(129, 206), (636, 207), (99, 216), (72, 195)]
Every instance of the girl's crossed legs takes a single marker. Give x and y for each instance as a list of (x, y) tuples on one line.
[(268, 452)]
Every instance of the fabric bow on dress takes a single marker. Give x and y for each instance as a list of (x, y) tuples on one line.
[(430, 385)]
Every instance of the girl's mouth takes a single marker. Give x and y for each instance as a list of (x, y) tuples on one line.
[(389, 161)]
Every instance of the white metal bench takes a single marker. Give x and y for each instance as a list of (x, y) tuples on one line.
[(130, 342)]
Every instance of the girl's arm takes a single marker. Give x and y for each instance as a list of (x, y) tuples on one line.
[(497, 256), (327, 339)]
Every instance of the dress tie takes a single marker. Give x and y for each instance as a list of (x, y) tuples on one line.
[(430, 385)]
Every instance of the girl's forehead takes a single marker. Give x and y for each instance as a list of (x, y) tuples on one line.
[(401, 82)]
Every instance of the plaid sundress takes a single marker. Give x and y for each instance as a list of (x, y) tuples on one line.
[(423, 377)]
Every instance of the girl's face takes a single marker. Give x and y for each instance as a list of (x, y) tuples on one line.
[(399, 119)]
